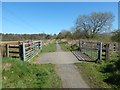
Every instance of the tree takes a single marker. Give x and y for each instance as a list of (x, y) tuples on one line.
[(48, 37), (77, 34), (23, 37), (94, 23), (116, 36), (54, 36), (64, 34)]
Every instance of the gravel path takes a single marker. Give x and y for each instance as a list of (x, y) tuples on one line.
[(65, 68)]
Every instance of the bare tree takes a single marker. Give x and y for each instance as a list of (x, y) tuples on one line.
[(95, 22)]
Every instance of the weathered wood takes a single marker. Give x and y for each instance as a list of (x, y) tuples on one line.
[(107, 52), (15, 52), (15, 56), (13, 46), (21, 51), (26, 50), (103, 50), (7, 50)]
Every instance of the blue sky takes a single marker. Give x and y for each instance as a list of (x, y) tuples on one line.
[(49, 17)]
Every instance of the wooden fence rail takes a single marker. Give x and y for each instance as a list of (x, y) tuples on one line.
[(24, 50), (97, 50), (103, 49)]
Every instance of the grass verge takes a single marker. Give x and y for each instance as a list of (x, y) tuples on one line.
[(51, 47), (18, 74), (92, 74), (65, 47)]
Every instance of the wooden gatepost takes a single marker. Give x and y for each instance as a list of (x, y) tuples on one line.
[(105, 50)]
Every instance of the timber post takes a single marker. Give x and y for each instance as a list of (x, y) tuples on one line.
[(107, 52), (7, 50)]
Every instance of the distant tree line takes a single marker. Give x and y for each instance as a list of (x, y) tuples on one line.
[(86, 27), (13, 37)]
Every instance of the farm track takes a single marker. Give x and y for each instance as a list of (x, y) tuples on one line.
[(65, 67)]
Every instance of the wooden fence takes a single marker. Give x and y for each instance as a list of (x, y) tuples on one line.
[(97, 50), (24, 50), (101, 51)]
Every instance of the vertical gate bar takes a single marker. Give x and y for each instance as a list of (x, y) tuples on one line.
[(99, 50), (23, 50)]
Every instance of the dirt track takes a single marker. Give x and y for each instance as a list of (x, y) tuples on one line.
[(65, 68)]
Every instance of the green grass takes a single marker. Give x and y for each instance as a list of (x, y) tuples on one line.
[(92, 75), (66, 47), (51, 47), (93, 54), (101, 74), (114, 55), (18, 74)]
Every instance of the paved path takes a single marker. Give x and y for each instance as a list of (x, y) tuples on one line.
[(65, 68)]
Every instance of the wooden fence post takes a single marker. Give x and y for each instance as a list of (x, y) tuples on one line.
[(99, 50), (114, 47), (107, 52), (33, 45), (118, 47), (79, 45), (41, 44), (20, 51), (82, 48), (31, 48), (7, 50)]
